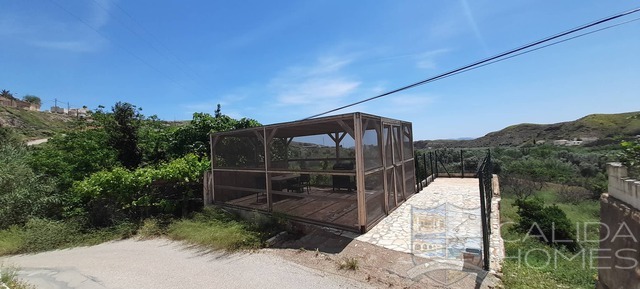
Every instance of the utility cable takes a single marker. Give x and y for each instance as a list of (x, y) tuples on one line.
[(119, 45), (537, 48), (176, 60), (485, 61)]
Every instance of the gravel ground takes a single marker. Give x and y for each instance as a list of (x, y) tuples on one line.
[(161, 263)]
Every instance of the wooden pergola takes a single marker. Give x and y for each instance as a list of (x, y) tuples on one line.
[(346, 171)]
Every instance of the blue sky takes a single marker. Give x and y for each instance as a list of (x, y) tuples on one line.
[(278, 61)]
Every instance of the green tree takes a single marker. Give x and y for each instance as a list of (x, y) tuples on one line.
[(122, 133), (547, 223), (194, 137), (73, 156), (7, 94), (23, 193), (154, 139), (32, 99)]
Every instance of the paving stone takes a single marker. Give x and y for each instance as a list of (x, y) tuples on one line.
[(461, 197)]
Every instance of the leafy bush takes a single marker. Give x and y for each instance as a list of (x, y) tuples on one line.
[(548, 223), (24, 194), (109, 196), (74, 156), (43, 235), (8, 136), (630, 156)]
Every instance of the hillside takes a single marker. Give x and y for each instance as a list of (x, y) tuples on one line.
[(34, 124), (601, 126)]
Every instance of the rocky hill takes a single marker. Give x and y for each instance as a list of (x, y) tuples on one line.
[(34, 124), (604, 127)]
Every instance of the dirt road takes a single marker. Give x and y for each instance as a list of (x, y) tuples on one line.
[(160, 263)]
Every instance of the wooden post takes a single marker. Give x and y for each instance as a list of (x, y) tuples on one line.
[(435, 161), (462, 164), (426, 172), (212, 145), (267, 164), (362, 208), (383, 150), (417, 173)]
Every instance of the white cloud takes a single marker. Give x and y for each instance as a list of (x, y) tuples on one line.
[(427, 60), (324, 82), (313, 90)]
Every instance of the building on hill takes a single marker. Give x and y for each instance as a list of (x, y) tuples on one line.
[(57, 109), (560, 142), (75, 112), (588, 139), (12, 102), (78, 112)]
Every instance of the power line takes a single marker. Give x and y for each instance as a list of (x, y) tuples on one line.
[(492, 59), (537, 48), (119, 45), (176, 60), (157, 40)]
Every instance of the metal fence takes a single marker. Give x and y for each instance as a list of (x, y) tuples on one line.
[(485, 177), (446, 163)]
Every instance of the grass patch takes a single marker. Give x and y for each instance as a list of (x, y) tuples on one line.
[(11, 241), (216, 229), (43, 235), (349, 264), (150, 228), (9, 277), (530, 263), (212, 228)]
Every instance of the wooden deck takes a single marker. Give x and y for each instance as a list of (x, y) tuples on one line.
[(320, 204)]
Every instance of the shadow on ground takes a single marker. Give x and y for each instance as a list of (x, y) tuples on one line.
[(316, 239)]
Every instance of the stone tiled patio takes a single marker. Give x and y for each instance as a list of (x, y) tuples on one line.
[(395, 231)]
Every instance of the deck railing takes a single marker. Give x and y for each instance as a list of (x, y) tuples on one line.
[(485, 177)]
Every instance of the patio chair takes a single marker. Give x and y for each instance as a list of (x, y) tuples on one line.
[(300, 183)]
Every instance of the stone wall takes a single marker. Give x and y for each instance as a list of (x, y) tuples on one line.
[(619, 253), (19, 104), (495, 240)]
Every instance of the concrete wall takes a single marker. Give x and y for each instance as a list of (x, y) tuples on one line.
[(621, 187), (619, 254), (19, 104)]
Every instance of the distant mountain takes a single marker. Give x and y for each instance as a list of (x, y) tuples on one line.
[(601, 126)]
